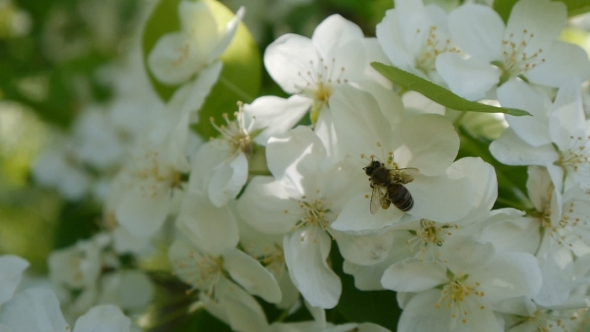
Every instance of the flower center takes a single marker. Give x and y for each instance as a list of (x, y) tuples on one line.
[(428, 236), (204, 272), (236, 133), (551, 320), (456, 293), (516, 59), (315, 213), (433, 46), (152, 169), (320, 80), (577, 157)]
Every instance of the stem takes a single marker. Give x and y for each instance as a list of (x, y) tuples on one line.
[(241, 94), (457, 121)]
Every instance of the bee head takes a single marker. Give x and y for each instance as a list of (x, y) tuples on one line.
[(372, 167)]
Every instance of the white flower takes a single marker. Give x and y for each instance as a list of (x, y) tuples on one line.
[(315, 68), (554, 137), (413, 36), (216, 276), (460, 294), (144, 188), (365, 131), (220, 166), (303, 199), (37, 309), (178, 56), (526, 47)]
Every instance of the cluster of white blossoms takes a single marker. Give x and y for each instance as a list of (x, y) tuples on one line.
[(257, 210)]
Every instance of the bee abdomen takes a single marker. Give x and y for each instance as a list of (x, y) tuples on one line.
[(400, 197)]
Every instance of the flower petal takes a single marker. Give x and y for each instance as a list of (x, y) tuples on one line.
[(34, 309), (413, 275), (103, 318), (364, 250), (469, 78), (512, 150), (267, 207), (251, 275), (430, 154), (227, 180), (142, 211), (357, 218), (518, 94), (288, 58), (306, 251), (210, 228), (538, 22), (334, 32), (275, 116), (168, 61), (563, 61), (478, 30), (11, 271), (294, 159)]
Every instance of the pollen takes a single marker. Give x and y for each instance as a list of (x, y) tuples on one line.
[(236, 133)]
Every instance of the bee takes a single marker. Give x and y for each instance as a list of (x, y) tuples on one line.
[(388, 186)]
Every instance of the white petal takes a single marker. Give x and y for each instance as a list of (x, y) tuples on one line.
[(356, 216), (355, 111), (103, 318), (212, 229), (478, 30), (509, 232), (197, 21), (288, 58), (294, 159), (227, 36), (567, 118), (228, 179), (11, 271), (412, 275), (421, 314), (544, 19), (532, 129), (227, 290), (440, 198), (512, 150), (563, 61), (275, 116), (242, 318), (557, 279), (168, 61), (390, 36), (267, 207), (208, 156), (509, 275), (251, 275), (34, 309), (464, 254), (469, 78), (364, 250), (326, 131), (430, 154), (306, 251), (484, 182), (191, 96), (143, 209), (334, 32)]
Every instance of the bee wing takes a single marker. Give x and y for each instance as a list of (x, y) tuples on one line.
[(376, 199), (405, 175)]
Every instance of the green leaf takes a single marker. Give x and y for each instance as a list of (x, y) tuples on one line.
[(574, 7), (379, 307), (242, 64), (439, 94)]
